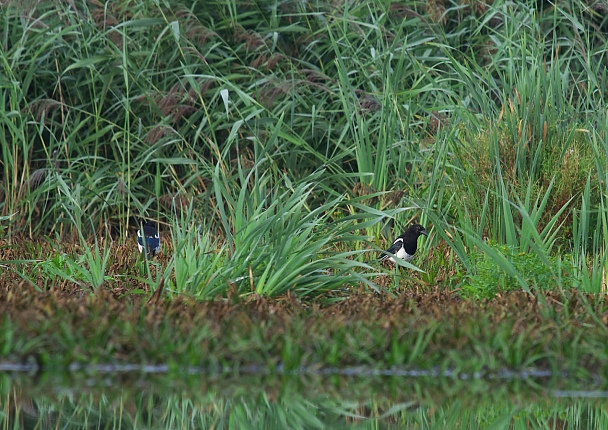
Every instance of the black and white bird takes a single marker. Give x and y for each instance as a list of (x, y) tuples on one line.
[(150, 242), (404, 247)]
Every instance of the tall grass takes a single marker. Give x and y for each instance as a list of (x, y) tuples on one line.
[(268, 118), (274, 242)]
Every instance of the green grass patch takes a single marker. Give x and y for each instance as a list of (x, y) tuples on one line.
[(489, 278)]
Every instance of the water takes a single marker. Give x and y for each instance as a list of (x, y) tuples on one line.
[(108, 396)]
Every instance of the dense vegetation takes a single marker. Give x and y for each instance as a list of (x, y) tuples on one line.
[(281, 144)]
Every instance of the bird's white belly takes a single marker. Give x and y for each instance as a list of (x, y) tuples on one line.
[(403, 255)]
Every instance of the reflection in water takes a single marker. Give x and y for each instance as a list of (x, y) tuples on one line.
[(265, 402)]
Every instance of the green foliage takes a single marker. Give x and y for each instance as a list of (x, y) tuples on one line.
[(196, 261), (489, 277), (87, 270), (277, 241), (489, 119), (3, 221)]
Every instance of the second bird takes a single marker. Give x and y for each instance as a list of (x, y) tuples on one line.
[(405, 246), (150, 243)]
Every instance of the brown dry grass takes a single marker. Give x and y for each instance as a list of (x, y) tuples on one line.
[(28, 307)]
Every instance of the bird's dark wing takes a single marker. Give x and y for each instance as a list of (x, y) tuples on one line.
[(397, 244), (153, 244)]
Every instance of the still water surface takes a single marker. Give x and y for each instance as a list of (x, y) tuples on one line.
[(157, 397)]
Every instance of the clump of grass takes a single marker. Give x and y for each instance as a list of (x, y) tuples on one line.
[(563, 167), (197, 262), (489, 278), (277, 241)]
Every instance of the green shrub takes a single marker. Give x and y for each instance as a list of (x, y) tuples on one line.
[(489, 279)]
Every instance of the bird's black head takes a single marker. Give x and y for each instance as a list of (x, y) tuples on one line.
[(416, 230)]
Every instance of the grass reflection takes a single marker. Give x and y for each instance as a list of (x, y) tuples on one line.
[(263, 402)]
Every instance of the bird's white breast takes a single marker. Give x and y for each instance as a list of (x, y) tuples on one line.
[(403, 255)]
